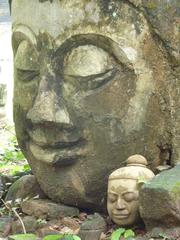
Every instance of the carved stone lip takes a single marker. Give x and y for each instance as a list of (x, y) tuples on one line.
[(57, 144), (56, 156), (60, 144), (120, 216)]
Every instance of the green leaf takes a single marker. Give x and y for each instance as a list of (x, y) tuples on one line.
[(142, 180), (8, 155), (129, 233), (26, 167), (54, 237), (19, 155), (22, 237), (76, 237), (117, 234), (163, 235), (68, 237)]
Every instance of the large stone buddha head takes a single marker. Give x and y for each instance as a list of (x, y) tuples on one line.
[(86, 93)]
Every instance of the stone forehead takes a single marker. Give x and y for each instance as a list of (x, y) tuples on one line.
[(66, 14), (72, 18), (118, 189), (122, 185)]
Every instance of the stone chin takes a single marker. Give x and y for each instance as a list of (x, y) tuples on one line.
[(126, 220)]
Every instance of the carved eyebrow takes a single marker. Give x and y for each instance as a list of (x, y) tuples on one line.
[(131, 192), (26, 31), (20, 33), (113, 193), (98, 40), (124, 193)]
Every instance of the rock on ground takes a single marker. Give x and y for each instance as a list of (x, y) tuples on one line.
[(160, 200), (30, 224), (26, 186), (46, 209), (92, 227)]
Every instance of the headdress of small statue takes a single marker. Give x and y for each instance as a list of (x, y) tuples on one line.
[(123, 190)]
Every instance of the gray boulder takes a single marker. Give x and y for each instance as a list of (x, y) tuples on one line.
[(26, 186), (92, 227), (30, 224), (5, 226), (46, 209), (160, 200)]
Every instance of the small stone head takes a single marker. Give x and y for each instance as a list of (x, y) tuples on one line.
[(123, 190)]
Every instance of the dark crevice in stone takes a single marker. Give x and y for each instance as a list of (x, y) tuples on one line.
[(45, 0), (166, 155)]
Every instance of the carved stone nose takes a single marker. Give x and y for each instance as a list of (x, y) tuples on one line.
[(47, 109), (120, 204)]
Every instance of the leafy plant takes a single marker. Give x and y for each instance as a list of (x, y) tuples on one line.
[(41, 222), (13, 154), (129, 234), (12, 159), (61, 237), (22, 237), (53, 237), (26, 168), (122, 232), (163, 236)]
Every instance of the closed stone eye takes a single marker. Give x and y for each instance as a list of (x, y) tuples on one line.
[(86, 61), (93, 81), (131, 196), (26, 62), (26, 75), (112, 197), (89, 66)]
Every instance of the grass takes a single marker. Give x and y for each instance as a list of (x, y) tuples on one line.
[(12, 159)]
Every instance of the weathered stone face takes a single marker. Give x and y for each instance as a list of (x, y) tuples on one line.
[(123, 201), (123, 191), (89, 85)]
